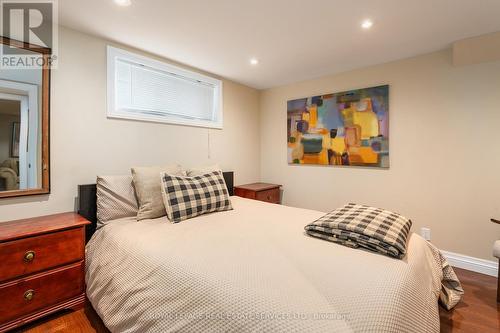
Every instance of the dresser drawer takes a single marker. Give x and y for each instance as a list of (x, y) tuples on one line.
[(34, 254), (272, 195), (244, 193), (23, 296)]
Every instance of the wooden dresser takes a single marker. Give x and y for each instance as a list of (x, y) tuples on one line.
[(41, 267), (259, 191)]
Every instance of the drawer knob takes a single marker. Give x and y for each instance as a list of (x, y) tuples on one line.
[(29, 294), (29, 256)]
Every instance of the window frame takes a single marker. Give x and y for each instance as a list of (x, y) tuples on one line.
[(114, 53)]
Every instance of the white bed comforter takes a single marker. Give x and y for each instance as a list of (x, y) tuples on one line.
[(253, 269)]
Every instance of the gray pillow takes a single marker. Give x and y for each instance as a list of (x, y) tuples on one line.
[(147, 183), (115, 198)]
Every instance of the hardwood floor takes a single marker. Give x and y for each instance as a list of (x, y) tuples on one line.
[(81, 321), (477, 312)]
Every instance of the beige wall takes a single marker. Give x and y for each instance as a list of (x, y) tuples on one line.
[(477, 49), (444, 146), (84, 143)]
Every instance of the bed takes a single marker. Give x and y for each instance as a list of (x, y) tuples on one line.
[(253, 269)]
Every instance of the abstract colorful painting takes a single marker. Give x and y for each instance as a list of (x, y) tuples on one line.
[(346, 128)]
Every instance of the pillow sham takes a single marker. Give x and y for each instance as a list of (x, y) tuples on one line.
[(115, 198), (202, 170), (147, 183), (187, 197)]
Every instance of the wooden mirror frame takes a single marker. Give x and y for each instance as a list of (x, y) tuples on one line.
[(45, 115)]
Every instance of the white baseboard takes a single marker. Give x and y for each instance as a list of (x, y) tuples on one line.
[(472, 264)]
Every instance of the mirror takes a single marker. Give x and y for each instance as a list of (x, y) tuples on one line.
[(24, 123)]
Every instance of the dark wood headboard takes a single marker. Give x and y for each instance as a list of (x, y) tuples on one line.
[(87, 201)]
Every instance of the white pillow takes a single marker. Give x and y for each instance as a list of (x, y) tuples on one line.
[(147, 183)]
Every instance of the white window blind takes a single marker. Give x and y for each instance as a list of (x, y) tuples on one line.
[(145, 89)]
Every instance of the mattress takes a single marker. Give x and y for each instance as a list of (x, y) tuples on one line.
[(253, 269)]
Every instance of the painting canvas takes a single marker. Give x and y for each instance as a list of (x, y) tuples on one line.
[(348, 128)]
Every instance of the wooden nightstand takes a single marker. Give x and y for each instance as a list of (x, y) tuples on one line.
[(259, 191), (41, 267)]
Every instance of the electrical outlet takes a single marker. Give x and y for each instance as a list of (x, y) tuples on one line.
[(425, 233)]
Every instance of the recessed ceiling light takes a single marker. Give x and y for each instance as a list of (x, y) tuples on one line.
[(254, 61), (367, 24), (123, 2)]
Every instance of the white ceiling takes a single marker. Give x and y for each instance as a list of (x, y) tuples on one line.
[(294, 40)]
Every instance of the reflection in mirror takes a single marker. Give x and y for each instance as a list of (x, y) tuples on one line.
[(21, 96)]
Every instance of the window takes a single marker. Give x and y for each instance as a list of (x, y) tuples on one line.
[(145, 89)]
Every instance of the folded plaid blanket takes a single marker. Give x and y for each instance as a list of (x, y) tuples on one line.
[(364, 226)]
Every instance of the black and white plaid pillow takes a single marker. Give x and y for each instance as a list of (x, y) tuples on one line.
[(187, 197)]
